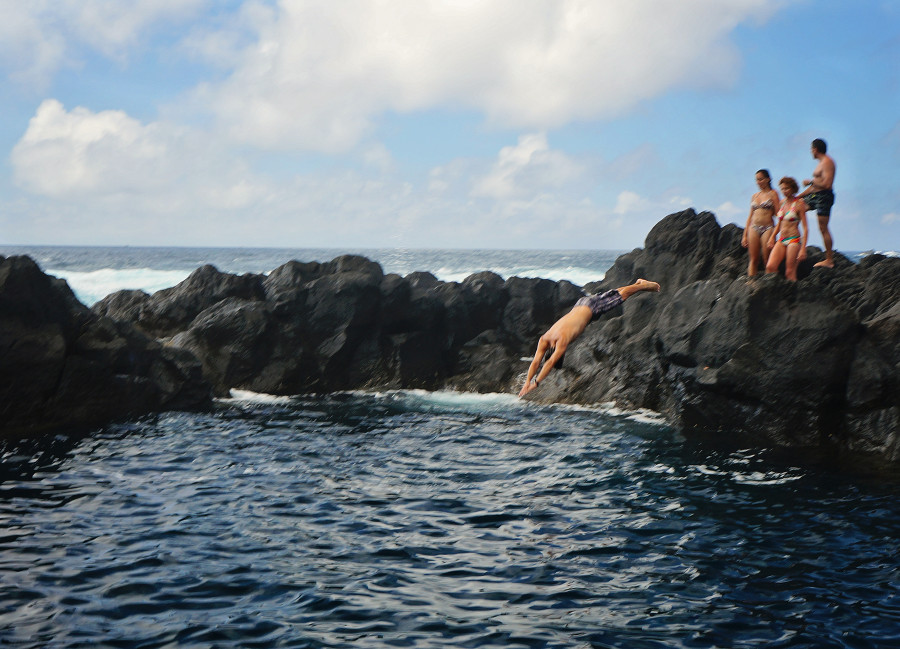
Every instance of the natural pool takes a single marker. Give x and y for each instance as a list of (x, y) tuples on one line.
[(415, 519)]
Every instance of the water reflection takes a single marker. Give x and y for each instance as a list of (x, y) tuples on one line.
[(409, 519)]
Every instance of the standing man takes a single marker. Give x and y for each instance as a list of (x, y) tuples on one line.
[(819, 195)]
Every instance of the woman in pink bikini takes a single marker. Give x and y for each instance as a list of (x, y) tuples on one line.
[(787, 242), (760, 223)]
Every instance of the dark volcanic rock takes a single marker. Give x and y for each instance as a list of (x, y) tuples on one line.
[(171, 310), (233, 339), (62, 366), (320, 327), (807, 364)]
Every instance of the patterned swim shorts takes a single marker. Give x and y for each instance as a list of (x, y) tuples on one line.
[(600, 303), (821, 201)]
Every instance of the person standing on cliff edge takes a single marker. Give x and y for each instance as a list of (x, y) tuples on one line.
[(571, 325), (819, 195)]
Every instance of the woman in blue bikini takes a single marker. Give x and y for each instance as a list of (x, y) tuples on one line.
[(761, 222), (790, 246)]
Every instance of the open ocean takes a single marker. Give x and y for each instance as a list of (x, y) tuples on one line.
[(427, 519)]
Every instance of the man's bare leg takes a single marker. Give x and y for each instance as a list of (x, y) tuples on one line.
[(640, 285), (826, 237)]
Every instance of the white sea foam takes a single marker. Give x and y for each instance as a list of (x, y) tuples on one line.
[(862, 255), (453, 401), (646, 416), (92, 286), (578, 276), (765, 478), (497, 402), (246, 396), (450, 401), (473, 401), (642, 415)]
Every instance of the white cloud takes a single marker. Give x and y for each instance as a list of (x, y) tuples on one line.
[(378, 156), (527, 168), (112, 26), (320, 72), (38, 37), (105, 177), (629, 203), (678, 202), (27, 49), (221, 42), (86, 155), (728, 211), (890, 219), (312, 75), (63, 153)]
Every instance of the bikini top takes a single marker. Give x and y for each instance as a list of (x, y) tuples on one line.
[(766, 205), (788, 215)]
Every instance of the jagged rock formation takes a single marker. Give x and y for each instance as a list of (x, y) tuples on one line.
[(62, 366), (321, 327), (813, 364)]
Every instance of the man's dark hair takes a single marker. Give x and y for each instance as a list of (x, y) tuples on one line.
[(819, 145)]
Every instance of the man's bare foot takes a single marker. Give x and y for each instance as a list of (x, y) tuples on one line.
[(824, 264), (647, 285)]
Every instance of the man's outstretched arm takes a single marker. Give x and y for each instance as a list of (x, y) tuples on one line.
[(557, 338), (570, 326)]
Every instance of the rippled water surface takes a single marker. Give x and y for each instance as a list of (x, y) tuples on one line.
[(435, 520)]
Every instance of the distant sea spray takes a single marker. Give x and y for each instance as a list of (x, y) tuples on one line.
[(95, 272)]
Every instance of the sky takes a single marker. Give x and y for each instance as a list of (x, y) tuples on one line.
[(514, 124)]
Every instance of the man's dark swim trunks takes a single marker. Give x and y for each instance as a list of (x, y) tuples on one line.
[(601, 302), (820, 201)]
